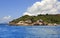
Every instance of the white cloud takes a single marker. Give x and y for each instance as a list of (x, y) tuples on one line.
[(5, 19), (44, 7)]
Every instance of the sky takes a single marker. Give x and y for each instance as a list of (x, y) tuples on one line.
[(11, 9), (44, 7)]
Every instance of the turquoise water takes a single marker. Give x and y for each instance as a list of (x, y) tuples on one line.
[(7, 31)]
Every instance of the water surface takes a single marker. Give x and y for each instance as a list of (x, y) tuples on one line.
[(7, 31)]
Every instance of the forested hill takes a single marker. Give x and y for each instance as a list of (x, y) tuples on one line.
[(46, 18)]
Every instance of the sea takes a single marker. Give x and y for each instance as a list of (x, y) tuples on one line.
[(13, 31)]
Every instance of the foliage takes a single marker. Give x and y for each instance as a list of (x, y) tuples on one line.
[(45, 18)]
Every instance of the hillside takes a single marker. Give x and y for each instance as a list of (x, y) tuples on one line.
[(46, 18)]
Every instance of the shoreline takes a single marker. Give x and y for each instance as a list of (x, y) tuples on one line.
[(32, 25)]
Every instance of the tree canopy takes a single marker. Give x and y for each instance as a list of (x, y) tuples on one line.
[(45, 18)]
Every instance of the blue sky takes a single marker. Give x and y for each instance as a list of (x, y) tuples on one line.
[(14, 8), (10, 9)]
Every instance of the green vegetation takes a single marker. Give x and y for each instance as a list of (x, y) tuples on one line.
[(46, 18)]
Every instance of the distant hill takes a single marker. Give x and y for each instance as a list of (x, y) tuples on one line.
[(46, 18)]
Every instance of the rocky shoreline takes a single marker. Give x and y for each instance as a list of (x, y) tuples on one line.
[(37, 23), (33, 24)]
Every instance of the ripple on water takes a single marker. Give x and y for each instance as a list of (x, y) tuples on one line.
[(29, 31)]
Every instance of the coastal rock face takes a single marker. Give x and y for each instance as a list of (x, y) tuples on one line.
[(22, 23), (50, 24), (29, 22)]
